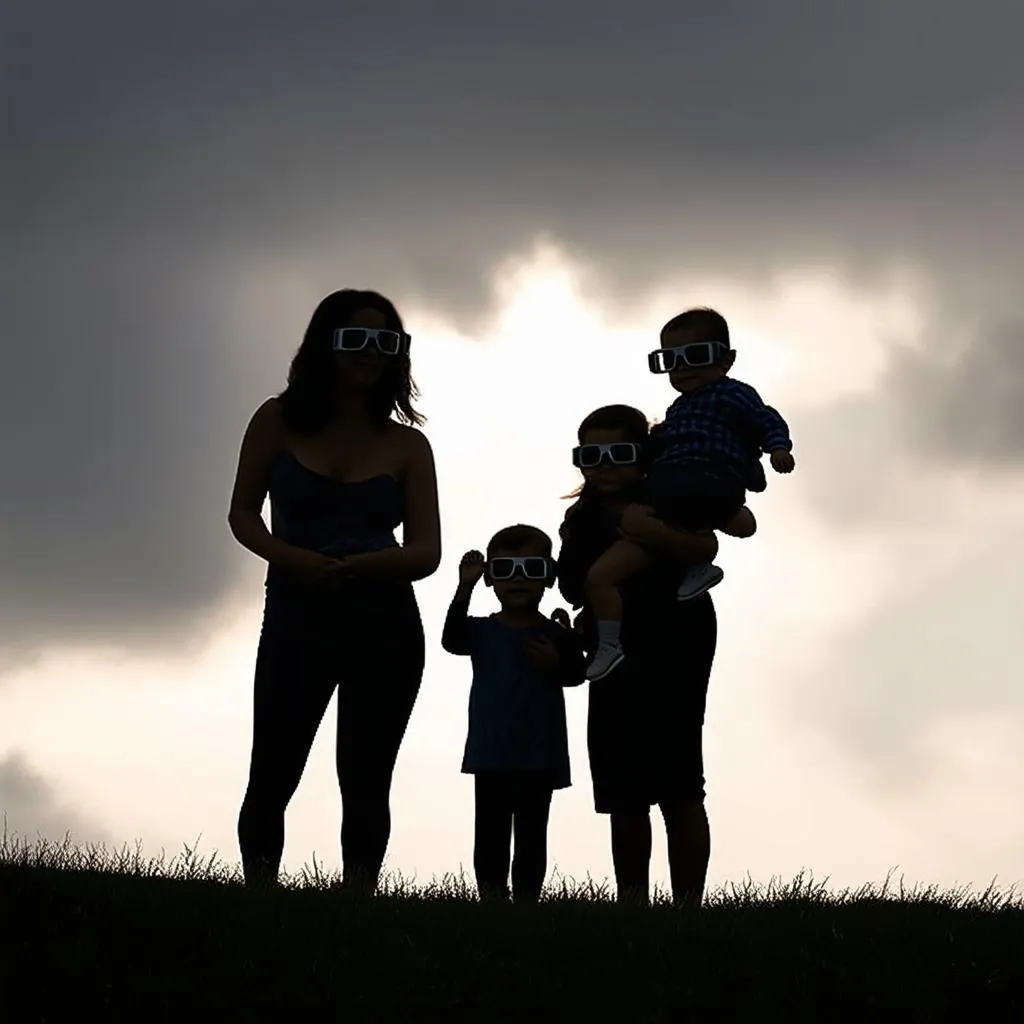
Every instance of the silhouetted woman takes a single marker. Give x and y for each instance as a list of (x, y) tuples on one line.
[(344, 466), (645, 720)]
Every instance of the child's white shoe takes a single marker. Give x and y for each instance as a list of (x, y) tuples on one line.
[(698, 580), (607, 657)]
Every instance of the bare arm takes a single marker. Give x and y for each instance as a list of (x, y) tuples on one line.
[(641, 526), (261, 443), (420, 554), (455, 637)]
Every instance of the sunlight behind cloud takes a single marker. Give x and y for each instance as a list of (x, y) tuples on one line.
[(808, 338), (160, 751)]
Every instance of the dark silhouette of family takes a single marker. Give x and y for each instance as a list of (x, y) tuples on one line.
[(340, 456)]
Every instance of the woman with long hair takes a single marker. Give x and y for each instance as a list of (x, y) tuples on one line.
[(344, 465)]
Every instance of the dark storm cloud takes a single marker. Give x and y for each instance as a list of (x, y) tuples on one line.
[(956, 402), (969, 395), (30, 809), (161, 159)]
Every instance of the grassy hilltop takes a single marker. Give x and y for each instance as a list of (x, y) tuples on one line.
[(91, 932)]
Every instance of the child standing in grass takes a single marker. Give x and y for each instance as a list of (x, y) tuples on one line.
[(517, 745)]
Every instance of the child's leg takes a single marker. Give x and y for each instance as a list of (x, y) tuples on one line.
[(723, 507), (622, 560), (699, 579), (740, 524), (532, 806), (492, 834), (689, 850), (631, 855)]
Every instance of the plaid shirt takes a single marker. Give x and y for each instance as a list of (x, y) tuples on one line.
[(725, 423)]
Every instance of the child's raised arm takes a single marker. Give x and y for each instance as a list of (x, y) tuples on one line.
[(455, 637)]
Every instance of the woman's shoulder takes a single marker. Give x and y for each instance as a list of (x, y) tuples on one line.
[(269, 411), (413, 453), (267, 426), (411, 440)]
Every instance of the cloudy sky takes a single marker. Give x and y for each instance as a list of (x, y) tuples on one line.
[(538, 186)]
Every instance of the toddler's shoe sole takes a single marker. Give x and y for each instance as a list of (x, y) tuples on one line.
[(603, 665), (699, 581)]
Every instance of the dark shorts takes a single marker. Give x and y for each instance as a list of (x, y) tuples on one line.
[(645, 722), (693, 497)]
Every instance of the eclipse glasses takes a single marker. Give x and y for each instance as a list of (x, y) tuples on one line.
[(535, 568), (356, 339), (621, 453), (696, 355)]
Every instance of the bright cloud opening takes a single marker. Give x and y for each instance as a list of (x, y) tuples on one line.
[(159, 752)]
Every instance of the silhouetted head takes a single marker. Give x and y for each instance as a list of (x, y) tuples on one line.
[(698, 327), (523, 590), (333, 366), (616, 437)]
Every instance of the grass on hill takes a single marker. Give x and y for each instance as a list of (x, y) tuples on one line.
[(113, 935)]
